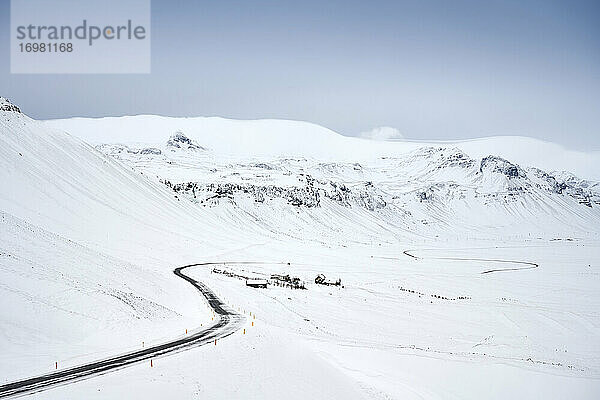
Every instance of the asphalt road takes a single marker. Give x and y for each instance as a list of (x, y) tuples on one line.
[(228, 321)]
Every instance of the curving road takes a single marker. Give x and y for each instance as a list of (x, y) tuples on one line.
[(228, 321)]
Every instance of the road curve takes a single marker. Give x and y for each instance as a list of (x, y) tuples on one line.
[(525, 264), (228, 321)]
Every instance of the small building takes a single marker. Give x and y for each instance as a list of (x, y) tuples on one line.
[(257, 283)]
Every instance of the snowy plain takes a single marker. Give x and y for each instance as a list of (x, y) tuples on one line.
[(428, 240)]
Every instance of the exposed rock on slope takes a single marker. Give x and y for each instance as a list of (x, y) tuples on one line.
[(501, 166), (6, 105), (179, 141), (116, 149), (308, 193)]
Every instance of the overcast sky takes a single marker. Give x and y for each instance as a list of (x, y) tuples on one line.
[(430, 69)]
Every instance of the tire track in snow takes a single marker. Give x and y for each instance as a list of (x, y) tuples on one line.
[(527, 264), (228, 321)]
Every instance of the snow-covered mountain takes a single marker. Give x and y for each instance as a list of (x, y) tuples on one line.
[(427, 191), (87, 248), (513, 184), (283, 138), (468, 261)]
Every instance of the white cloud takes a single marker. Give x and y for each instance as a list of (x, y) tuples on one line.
[(383, 133)]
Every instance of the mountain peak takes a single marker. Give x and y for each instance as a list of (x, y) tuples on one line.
[(6, 105), (178, 140), (501, 166)]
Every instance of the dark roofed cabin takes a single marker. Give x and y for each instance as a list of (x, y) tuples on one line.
[(257, 283)]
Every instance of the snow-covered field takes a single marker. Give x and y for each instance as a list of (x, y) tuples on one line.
[(468, 270)]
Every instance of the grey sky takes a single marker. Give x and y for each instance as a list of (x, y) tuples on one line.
[(433, 70)]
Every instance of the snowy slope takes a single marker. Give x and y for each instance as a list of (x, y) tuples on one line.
[(402, 186), (101, 239), (87, 250), (425, 192), (466, 272), (85, 247)]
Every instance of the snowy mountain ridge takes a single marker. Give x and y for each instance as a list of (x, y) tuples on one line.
[(453, 261), (429, 189), (426, 190), (283, 138)]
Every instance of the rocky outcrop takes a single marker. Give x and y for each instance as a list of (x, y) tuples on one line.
[(440, 157), (6, 105), (545, 181), (584, 191), (310, 193), (499, 165), (115, 149), (179, 141), (151, 150)]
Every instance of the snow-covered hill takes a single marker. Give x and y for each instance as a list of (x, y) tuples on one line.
[(283, 138), (426, 192), (503, 184), (461, 264), (87, 248)]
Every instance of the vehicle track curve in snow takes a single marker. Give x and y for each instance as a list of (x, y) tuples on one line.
[(525, 264)]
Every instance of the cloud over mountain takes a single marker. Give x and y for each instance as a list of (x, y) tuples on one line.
[(383, 133)]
